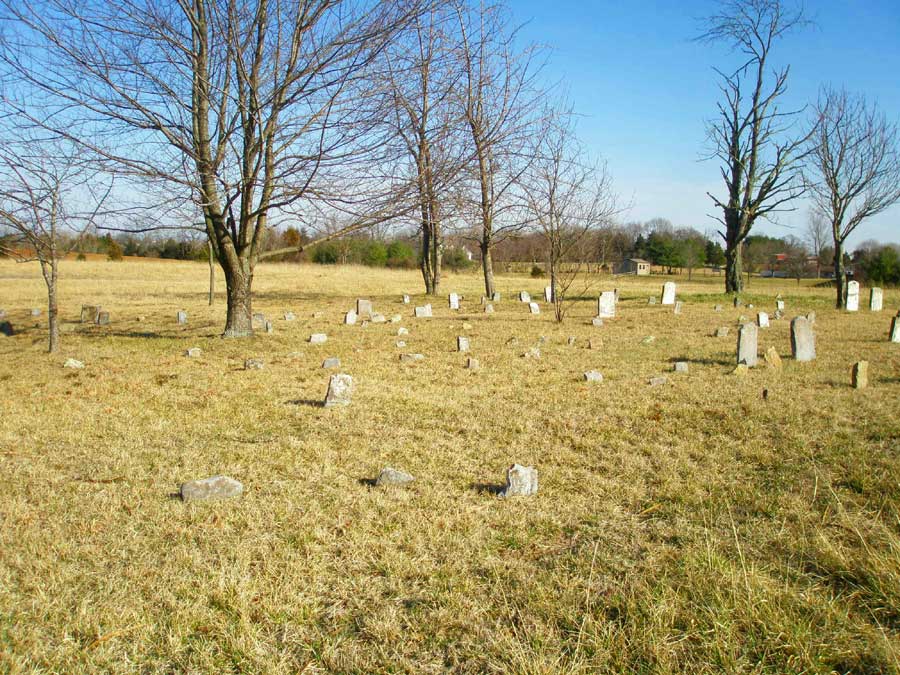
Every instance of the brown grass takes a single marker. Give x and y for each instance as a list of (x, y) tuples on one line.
[(692, 527)]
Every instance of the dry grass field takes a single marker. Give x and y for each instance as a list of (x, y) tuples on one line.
[(690, 527)]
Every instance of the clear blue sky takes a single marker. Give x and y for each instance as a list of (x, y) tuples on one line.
[(644, 90)]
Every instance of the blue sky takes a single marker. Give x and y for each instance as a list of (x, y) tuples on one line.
[(644, 90)]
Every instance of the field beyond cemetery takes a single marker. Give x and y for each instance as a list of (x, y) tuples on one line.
[(689, 527)]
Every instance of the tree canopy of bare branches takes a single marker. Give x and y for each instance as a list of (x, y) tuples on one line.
[(752, 137), (854, 170)]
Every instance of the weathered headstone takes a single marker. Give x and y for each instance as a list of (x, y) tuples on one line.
[(405, 299), (521, 481), (681, 366), (489, 308), (803, 339), (534, 307), (668, 293), (194, 352), (340, 390), (102, 318), (876, 299), (472, 364), (253, 364), (462, 344), (331, 362), (396, 318), (548, 294), (350, 318), (181, 317), (423, 312), (722, 331), (717, 308), (378, 318), (593, 376), (73, 363), (860, 375), (852, 301), (289, 316), (571, 341), (533, 353), (409, 358), (748, 344), (679, 305), (318, 339), (779, 304), (524, 296), (454, 301), (658, 381), (259, 321), (216, 487), (597, 322), (36, 311), (894, 335), (773, 360), (402, 331), (389, 476), (363, 308), (89, 313), (606, 305), (269, 327), (495, 297), (762, 319), (651, 300), (779, 314)]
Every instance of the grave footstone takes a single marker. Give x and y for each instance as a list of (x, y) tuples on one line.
[(391, 477), (488, 309), (340, 390), (668, 293), (36, 312), (363, 308), (253, 364), (181, 317), (717, 308), (409, 358), (593, 376), (378, 318), (495, 297), (606, 305), (396, 318), (318, 338), (73, 363), (102, 318), (679, 305), (571, 341), (350, 318), (894, 335), (467, 326), (748, 345), (194, 352), (860, 375), (658, 381), (89, 313), (215, 487), (259, 321), (423, 312), (681, 366), (651, 300), (400, 344), (803, 339), (521, 481), (462, 344), (454, 301), (649, 340), (597, 322), (773, 360), (289, 316), (548, 294), (331, 362), (876, 299), (472, 364), (402, 331), (762, 319), (722, 331), (533, 353), (852, 302), (534, 307)]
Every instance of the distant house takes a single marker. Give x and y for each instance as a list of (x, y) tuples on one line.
[(635, 266)]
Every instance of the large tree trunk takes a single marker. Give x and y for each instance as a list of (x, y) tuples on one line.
[(487, 265), (839, 273), (212, 272), (239, 320), (52, 305), (427, 257), (734, 281)]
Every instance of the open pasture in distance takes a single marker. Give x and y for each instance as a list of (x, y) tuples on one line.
[(689, 527)]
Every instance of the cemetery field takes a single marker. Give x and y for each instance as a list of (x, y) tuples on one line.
[(694, 526)]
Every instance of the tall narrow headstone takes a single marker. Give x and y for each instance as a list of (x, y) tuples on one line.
[(803, 339), (454, 301), (350, 318), (852, 302), (876, 299), (405, 299), (462, 343), (762, 319), (181, 317), (895, 329), (548, 294), (668, 293), (606, 305), (748, 345), (860, 375)]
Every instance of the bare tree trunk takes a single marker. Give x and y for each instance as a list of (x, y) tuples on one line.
[(427, 272), (212, 272), (734, 281), (839, 273), (52, 305), (239, 320), (487, 265)]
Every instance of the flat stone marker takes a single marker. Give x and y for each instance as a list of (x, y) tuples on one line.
[(649, 340), (668, 293), (773, 360), (216, 487), (35, 312), (409, 358), (454, 301), (73, 363), (748, 344), (318, 339), (331, 362), (363, 308), (593, 376), (852, 302), (876, 299), (594, 345), (651, 300), (658, 381), (389, 477), (535, 309), (181, 317), (378, 318), (524, 297), (102, 318), (405, 299), (89, 313), (6, 329), (340, 390), (402, 331), (803, 339), (194, 353), (860, 375), (679, 305), (472, 364), (253, 364), (722, 331), (762, 319), (548, 294), (462, 344), (606, 305), (423, 312), (681, 366), (495, 297), (350, 318), (533, 353), (489, 308), (400, 343), (396, 318), (521, 481), (597, 322), (289, 316), (894, 335)]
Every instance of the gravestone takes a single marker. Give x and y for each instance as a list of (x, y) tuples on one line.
[(548, 294), (318, 339), (533, 353), (773, 360), (649, 340), (606, 305), (253, 364), (400, 343), (73, 363), (571, 341), (779, 314), (269, 327), (651, 300), (454, 301), (102, 318), (396, 318), (405, 299), (681, 366), (488, 309), (722, 331), (423, 312), (194, 352), (363, 308), (876, 299), (402, 331), (779, 305), (495, 297), (89, 313), (462, 344), (717, 308), (409, 358), (593, 376), (6, 329), (472, 364), (389, 476), (860, 375), (350, 318), (679, 305), (340, 390), (2, 313), (331, 362), (762, 319), (894, 335), (594, 345), (737, 302), (521, 481), (524, 297), (535, 309), (378, 318), (258, 321), (289, 316), (597, 322), (35, 312), (616, 294), (668, 293), (181, 317), (803, 339), (748, 344), (852, 302), (658, 381), (216, 487)]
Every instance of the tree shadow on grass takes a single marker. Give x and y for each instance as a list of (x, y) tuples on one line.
[(487, 488), (368, 482), (704, 362), (307, 402)]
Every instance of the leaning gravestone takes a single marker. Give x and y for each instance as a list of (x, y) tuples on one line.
[(668, 293), (748, 344), (521, 481), (852, 302), (181, 317), (803, 339), (216, 487), (606, 305), (423, 312), (350, 318), (102, 318), (876, 299), (340, 389), (331, 362), (548, 294), (89, 313), (860, 375), (762, 319), (462, 344), (454, 301), (593, 376), (895, 329), (773, 359), (194, 352), (535, 309), (679, 305), (524, 297)]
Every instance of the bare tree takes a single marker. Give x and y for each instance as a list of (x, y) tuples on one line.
[(247, 108), (818, 234), (751, 136), (569, 197), (499, 100), (854, 172), (48, 200)]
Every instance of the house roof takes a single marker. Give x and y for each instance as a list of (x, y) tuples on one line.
[(639, 260)]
